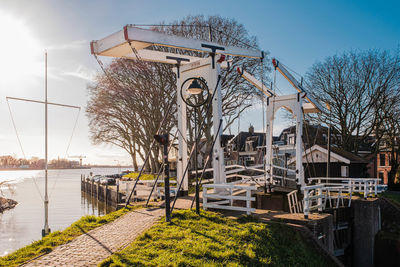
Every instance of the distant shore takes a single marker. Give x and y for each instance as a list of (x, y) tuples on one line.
[(78, 168), (38, 169)]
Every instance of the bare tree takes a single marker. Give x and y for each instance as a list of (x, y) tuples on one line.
[(127, 105), (357, 86)]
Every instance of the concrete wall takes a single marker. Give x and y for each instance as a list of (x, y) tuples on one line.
[(366, 226)]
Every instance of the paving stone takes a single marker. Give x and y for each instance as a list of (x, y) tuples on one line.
[(94, 246)]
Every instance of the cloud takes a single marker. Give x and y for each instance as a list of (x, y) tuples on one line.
[(78, 44), (81, 72)]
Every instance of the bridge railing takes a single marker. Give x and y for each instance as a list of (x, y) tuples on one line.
[(225, 196), (366, 186)]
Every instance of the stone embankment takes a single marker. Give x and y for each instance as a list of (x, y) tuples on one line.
[(6, 204)]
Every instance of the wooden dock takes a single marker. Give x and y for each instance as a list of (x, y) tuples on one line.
[(105, 193)]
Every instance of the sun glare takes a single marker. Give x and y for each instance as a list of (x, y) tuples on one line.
[(20, 52)]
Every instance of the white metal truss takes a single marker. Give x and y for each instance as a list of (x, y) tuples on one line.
[(293, 103), (119, 44)]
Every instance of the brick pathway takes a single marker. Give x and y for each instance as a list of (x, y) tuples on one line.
[(94, 246)]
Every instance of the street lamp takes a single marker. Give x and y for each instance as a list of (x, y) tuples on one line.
[(195, 96)]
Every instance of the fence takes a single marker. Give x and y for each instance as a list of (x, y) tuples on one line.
[(225, 196), (366, 186), (313, 198), (295, 206)]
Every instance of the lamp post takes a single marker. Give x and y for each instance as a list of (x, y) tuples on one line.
[(195, 95)]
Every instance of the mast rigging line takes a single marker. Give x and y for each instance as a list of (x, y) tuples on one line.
[(41, 102), (66, 152), (21, 147), (19, 140)]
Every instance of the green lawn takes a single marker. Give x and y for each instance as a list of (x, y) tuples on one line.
[(213, 240), (393, 196), (46, 244), (144, 176)]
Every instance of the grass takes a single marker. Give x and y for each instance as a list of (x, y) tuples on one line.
[(144, 176), (49, 242), (395, 198), (212, 240)]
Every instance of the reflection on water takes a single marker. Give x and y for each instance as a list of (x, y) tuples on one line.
[(94, 206), (23, 224)]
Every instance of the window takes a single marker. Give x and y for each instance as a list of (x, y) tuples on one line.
[(381, 176), (344, 171), (292, 139), (382, 161)]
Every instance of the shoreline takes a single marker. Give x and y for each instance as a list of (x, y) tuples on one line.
[(81, 168)]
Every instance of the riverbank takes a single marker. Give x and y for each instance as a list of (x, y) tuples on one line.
[(24, 223), (7, 204), (57, 238)]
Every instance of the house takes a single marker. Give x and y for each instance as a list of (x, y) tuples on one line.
[(246, 148), (342, 163), (380, 163)]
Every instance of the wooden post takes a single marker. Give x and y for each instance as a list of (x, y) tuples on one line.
[(97, 193), (105, 194), (117, 199)]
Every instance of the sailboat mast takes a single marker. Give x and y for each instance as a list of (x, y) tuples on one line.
[(46, 229)]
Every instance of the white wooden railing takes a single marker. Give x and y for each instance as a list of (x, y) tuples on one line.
[(295, 206), (225, 196), (314, 198), (366, 186)]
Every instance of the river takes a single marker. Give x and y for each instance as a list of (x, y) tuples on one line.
[(23, 224)]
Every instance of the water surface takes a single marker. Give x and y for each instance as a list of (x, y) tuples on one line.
[(23, 224)]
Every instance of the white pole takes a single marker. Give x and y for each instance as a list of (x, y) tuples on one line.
[(46, 229)]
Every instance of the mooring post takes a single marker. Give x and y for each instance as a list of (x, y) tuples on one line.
[(105, 194), (98, 190), (117, 199)]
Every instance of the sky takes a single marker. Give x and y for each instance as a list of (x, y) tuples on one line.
[(298, 33)]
